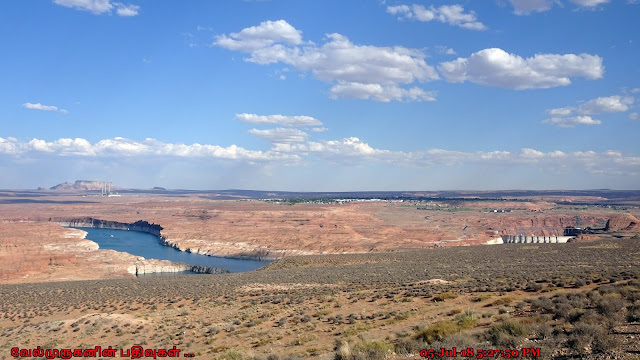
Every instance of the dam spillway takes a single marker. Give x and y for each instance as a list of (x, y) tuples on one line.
[(534, 239)]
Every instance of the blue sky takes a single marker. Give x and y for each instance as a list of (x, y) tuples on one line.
[(321, 95)]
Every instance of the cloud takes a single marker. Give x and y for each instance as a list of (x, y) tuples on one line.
[(38, 106), (565, 111), (127, 10), (379, 92), (337, 60), (353, 150), (279, 120), (280, 135), (451, 14), (444, 50), (569, 122), (98, 7), (319, 129), (525, 7), (589, 3), (571, 116), (121, 147), (496, 67), (634, 116), (609, 104), (262, 36), (346, 151)]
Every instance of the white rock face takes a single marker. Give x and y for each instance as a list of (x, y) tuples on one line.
[(141, 267), (495, 241)]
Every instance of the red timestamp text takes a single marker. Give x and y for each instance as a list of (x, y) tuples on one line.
[(480, 353), (134, 352)]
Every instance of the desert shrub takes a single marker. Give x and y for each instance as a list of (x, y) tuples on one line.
[(506, 333), (542, 330), (455, 311), (467, 319), (609, 306), (233, 355), (343, 351), (534, 287), (444, 296), (543, 304), (437, 331), (409, 346), (482, 297), (282, 321), (590, 336), (633, 314), (363, 350), (575, 315), (503, 301), (579, 283), (459, 340), (562, 311)]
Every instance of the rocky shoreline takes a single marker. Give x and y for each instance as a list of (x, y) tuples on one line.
[(142, 265), (155, 229)]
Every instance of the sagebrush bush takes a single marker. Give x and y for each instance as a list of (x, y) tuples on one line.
[(437, 331), (507, 333), (363, 350), (444, 296)]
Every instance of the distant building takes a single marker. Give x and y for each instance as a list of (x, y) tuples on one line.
[(573, 231)]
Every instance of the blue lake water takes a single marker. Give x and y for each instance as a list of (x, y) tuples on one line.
[(147, 246)]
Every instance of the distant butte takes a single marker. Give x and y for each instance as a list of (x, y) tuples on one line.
[(79, 185)]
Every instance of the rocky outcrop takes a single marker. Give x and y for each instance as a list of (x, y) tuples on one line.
[(232, 251), (151, 266), (140, 225), (142, 265), (623, 222)]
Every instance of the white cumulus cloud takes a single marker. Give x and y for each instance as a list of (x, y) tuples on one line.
[(122, 147), (379, 92), (572, 121), (261, 36), (571, 116), (127, 10), (38, 106), (450, 14), (496, 67), (280, 135), (609, 104), (336, 61), (300, 120), (345, 151), (98, 7)]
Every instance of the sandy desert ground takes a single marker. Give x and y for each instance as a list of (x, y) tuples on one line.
[(576, 300)]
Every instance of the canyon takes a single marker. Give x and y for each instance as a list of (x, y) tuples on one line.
[(35, 245)]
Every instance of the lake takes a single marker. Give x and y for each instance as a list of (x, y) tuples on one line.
[(147, 245)]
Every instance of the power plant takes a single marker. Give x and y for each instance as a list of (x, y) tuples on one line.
[(105, 189)]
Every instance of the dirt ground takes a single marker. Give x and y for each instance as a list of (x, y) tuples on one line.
[(309, 307)]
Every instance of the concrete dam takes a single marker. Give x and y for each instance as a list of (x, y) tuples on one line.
[(534, 239)]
